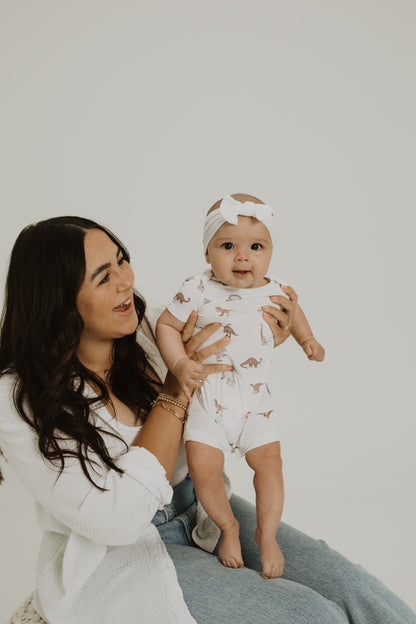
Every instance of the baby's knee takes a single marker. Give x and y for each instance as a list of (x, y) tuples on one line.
[(204, 460), (265, 458)]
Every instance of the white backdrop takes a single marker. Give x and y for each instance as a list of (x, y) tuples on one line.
[(140, 114)]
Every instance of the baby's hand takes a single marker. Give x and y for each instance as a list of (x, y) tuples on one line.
[(313, 350), (190, 375)]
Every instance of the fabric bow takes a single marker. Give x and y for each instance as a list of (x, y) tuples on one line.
[(230, 208), (228, 212)]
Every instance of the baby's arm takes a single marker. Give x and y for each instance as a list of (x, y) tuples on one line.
[(189, 373), (303, 334)]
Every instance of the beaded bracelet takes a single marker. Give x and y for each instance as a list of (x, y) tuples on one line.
[(166, 398), (170, 399)]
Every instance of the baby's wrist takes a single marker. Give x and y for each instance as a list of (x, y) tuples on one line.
[(179, 364)]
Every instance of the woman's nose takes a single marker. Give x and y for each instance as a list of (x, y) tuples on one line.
[(126, 280)]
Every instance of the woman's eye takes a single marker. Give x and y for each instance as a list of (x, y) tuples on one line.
[(121, 261), (256, 246), (105, 279), (228, 245)]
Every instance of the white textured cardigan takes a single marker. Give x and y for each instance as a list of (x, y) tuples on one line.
[(101, 559)]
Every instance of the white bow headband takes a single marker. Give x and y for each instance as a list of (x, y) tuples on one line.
[(228, 212)]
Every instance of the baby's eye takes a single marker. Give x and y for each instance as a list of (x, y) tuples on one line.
[(227, 245), (256, 246)]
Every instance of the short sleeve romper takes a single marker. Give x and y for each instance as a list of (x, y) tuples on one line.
[(233, 410)]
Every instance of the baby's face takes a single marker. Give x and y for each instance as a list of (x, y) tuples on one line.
[(240, 255)]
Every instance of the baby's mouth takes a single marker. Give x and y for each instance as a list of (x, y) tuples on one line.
[(241, 272)]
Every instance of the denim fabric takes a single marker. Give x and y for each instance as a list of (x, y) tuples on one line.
[(318, 586)]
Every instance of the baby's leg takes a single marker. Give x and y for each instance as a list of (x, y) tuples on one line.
[(268, 482), (205, 467)]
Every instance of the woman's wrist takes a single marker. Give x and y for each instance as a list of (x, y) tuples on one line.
[(175, 406), (172, 387)]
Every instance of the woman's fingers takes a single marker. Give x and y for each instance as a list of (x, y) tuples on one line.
[(280, 319), (189, 327), (193, 344), (217, 368), (206, 352), (289, 292)]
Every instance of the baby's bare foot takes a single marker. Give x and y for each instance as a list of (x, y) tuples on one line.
[(272, 560), (229, 552)]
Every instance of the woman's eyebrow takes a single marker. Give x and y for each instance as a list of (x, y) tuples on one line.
[(104, 267), (97, 271)]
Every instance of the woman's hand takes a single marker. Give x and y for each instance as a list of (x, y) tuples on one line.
[(192, 346), (280, 320)]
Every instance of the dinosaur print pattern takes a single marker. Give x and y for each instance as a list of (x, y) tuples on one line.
[(233, 407), (264, 340), (228, 331), (251, 362), (219, 408), (228, 377), (266, 414), (256, 387), (180, 298)]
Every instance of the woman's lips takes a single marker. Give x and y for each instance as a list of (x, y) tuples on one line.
[(124, 307)]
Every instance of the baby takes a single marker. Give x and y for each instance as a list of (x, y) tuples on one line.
[(234, 410)]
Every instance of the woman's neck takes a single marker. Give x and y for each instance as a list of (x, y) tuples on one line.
[(97, 357)]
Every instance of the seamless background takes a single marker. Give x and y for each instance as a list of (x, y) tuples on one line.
[(141, 114)]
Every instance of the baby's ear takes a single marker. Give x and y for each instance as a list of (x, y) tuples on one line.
[(207, 257)]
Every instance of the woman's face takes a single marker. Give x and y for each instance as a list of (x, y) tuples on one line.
[(105, 300)]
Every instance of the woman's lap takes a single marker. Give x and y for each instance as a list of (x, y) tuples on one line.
[(312, 563), (219, 595), (318, 584)]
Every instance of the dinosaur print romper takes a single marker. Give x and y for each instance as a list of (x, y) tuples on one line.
[(233, 410)]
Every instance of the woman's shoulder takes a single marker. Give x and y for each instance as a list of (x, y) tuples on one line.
[(7, 384)]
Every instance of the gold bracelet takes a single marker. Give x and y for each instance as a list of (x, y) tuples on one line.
[(170, 399), (169, 409)]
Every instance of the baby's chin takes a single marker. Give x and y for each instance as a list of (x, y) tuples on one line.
[(241, 279)]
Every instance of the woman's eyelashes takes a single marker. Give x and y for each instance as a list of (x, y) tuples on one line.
[(105, 279), (120, 261)]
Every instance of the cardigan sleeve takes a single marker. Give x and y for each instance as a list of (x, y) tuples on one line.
[(112, 517)]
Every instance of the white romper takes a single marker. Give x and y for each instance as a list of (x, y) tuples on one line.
[(233, 410)]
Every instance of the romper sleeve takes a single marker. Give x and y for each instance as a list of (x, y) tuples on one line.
[(115, 516), (187, 298)]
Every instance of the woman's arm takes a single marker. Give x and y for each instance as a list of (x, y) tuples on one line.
[(162, 432), (117, 514)]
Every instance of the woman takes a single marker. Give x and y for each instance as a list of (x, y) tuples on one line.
[(77, 383)]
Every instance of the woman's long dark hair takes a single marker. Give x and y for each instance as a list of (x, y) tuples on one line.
[(40, 333)]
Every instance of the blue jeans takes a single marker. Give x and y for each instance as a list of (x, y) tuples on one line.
[(318, 586)]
